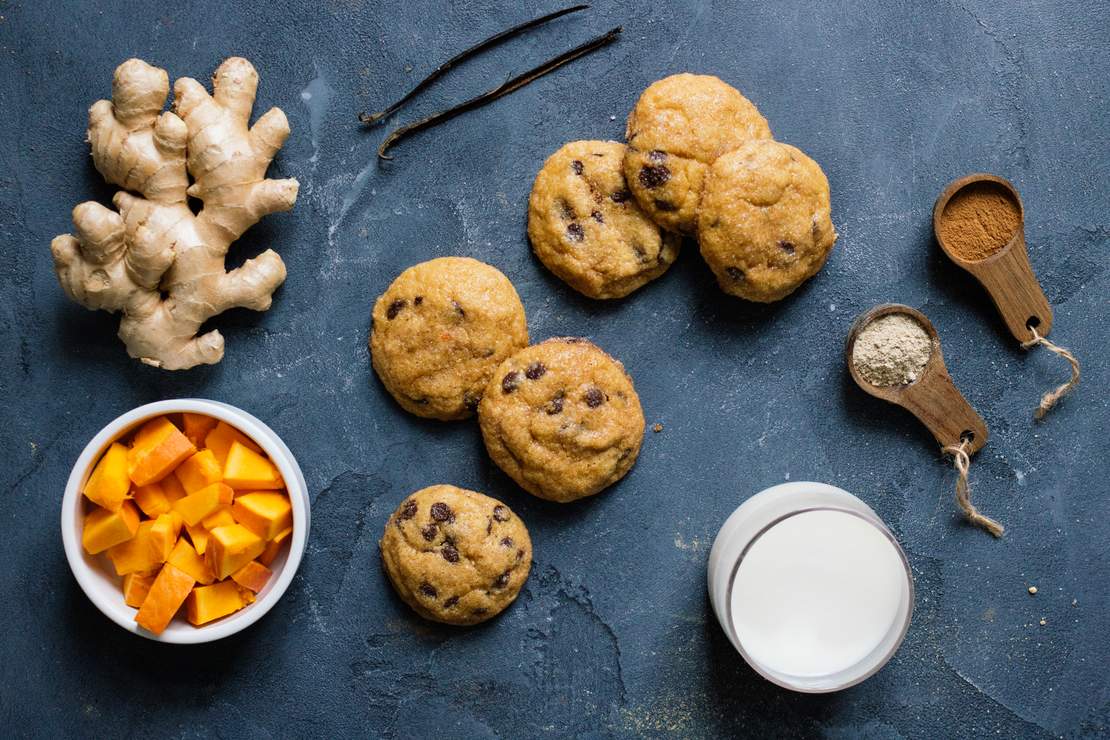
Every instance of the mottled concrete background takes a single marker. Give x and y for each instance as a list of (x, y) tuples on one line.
[(612, 635)]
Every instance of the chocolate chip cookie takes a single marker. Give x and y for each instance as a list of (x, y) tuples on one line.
[(586, 227), (456, 556), (680, 125), (562, 419), (440, 330), (764, 225)]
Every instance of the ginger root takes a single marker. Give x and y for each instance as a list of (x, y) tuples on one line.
[(154, 260)]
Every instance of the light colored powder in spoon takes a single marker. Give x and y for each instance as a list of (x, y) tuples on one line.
[(892, 350)]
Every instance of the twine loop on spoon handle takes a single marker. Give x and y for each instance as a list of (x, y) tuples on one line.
[(963, 492), (1049, 399)]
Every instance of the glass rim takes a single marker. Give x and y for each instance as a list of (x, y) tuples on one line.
[(773, 678)]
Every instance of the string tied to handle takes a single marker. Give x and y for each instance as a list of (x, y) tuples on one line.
[(1049, 399), (962, 461)]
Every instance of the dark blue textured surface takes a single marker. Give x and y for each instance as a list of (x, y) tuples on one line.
[(612, 635)]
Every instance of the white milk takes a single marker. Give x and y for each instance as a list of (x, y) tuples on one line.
[(817, 594), (810, 586)]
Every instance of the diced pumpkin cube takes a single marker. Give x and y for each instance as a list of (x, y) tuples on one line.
[(198, 535), (185, 558), (200, 470), (140, 554), (219, 518), (173, 489), (206, 603), (152, 500), (264, 513), (219, 441), (230, 548), (164, 533), (252, 576), (168, 592), (109, 484), (135, 588), (104, 529), (159, 447), (273, 547), (196, 506), (248, 470), (197, 427)]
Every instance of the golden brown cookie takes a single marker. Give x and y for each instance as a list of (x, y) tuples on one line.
[(587, 228), (764, 225), (454, 555), (562, 419), (439, 332), (680, 125)]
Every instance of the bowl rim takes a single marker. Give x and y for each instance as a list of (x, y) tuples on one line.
[(253, 428)]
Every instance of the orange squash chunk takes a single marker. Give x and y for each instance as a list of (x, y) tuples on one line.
[(264, 513), (200, 470), (198, 535), (230, 548), (158, 448), (219, 441), (219, 518), (109, 484), (164, 534), (135, 588), (167, 594), (138, 554), (185, 558), (104, 529), (152, 500), (197, 427), (173, 489), (247, 470), (196, 506), (253, 576), (206, 603), (273, 547)]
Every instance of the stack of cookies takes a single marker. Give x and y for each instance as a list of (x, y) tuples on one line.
[(561, 418), (700, 162)]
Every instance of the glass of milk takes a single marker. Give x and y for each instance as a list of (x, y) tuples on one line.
[(810, 586)]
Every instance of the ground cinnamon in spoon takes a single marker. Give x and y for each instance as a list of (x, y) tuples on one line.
[(979, 220)]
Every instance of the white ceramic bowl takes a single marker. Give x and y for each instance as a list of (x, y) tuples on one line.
[(94, 573)]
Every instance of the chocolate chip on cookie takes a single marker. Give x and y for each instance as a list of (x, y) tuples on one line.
[(440, 330), (395, 308), (472, 573), (600, 256)]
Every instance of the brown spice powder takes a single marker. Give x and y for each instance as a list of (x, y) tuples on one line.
[(979, 220)]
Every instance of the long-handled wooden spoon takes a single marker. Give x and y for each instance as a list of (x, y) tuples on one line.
[(933, 398), (1009, 279), (1006, 274)]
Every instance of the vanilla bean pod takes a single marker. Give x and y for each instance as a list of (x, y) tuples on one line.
[(498, 92), (466, 54)]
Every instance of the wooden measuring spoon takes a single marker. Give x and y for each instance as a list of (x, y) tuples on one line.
[(932, 398), (1006, 274)]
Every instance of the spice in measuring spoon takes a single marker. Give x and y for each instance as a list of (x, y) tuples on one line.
[(892, 350), (894, 354), (978, 221)]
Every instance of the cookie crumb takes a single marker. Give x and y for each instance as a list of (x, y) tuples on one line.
[(1043, 621), (1032, 590), (657, 428)]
